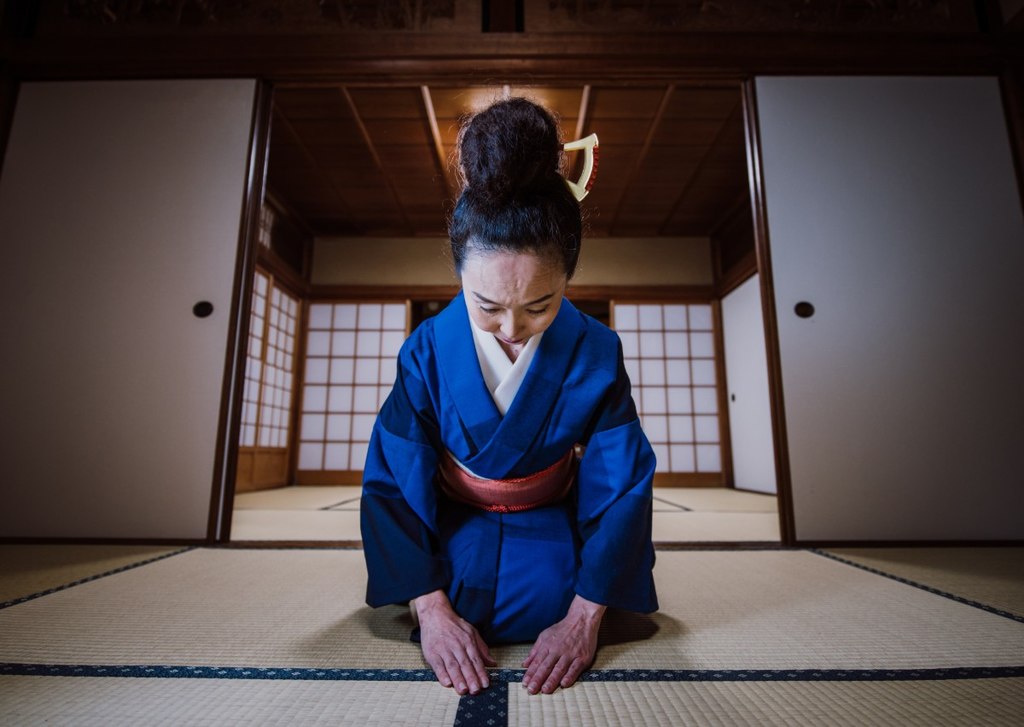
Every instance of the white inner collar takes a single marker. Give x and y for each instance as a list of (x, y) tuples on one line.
[(503, 377)]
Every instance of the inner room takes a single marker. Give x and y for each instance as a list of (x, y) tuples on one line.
[(353, 254)]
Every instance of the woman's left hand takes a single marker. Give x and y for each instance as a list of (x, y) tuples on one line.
[(563, 651)]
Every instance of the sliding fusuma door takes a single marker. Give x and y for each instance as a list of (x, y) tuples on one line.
[(896, 247), (120, 210)]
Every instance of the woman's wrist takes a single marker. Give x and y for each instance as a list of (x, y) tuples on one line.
[(430, 603), (589, 611)]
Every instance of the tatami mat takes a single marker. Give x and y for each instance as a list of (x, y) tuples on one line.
[(300, 498), (716, 499), (309, 514), (29, 569), (296, 525), (304, 608), (766, 637), (969, 703), (993, 576), (106, 702), (717, 527)]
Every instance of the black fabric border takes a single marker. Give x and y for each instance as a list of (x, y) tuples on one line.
[(509, 676), (89, 579), (907, 582)]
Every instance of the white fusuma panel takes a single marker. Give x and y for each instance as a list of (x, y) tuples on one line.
[(893, 210), (120, 206)]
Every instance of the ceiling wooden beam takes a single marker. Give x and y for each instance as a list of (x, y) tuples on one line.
[(638, 162), (531, 57), (583, 116), (312, 159), (450, 188), (695, 174), (372, 148)]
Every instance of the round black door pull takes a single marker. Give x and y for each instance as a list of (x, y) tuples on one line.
[(804, 309), (202, 309)]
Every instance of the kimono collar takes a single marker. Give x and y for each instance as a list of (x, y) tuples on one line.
[(501, 442)]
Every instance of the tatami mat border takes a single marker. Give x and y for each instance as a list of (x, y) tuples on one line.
[(89, 579), (349, 501), (509, 676), (907, 582)]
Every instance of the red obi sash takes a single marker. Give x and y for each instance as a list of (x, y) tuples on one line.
[(514, 495)]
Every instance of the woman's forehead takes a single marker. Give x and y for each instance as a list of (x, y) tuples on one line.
[(511, 278)]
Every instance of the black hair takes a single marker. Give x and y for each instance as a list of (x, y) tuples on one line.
[(514, 197)]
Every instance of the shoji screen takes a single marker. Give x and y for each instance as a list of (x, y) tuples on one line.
[(265, 434), (351, 351), (670, 356)]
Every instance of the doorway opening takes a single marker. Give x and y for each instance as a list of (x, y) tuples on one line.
[(360, 182)]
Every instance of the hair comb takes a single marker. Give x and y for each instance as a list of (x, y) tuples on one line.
[(589, 146)]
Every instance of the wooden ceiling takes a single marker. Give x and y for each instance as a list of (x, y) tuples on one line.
[(379, 161)]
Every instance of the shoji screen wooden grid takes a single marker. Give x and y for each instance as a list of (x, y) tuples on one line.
[(669, 352), (351, 351), (269, 386)]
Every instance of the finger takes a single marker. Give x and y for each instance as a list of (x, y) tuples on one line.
[(557, 672), (481, 658), (541, 673), (532, 664), (440, 672), (474, 670), (577, 667), (485, 652), (459, 680)]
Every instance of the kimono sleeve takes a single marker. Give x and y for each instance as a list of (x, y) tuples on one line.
[(615, 507), (398, 506)]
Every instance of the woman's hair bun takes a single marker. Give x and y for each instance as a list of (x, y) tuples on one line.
[(509, 150)]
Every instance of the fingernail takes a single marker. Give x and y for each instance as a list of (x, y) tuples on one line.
[(486, 684)]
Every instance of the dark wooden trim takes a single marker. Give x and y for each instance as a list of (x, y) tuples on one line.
[(293, 545), (226, 462), (1012, 86), (728, 280), (575, 292), (318, 293), (706, 480), (740, 273), (722, 388), (329, 478), (186, 542), (425, 58), (787, 526), (287, 278), (908, 543), (9, 88), (719, 545), (666, 293)]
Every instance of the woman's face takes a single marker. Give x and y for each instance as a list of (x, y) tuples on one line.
[(512, 295)]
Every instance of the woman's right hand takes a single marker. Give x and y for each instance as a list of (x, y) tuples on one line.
[(451, 646)]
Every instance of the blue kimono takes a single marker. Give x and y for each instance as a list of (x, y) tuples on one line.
[(511, 575)]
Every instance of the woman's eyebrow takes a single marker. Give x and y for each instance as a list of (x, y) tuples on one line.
[(532, 302)]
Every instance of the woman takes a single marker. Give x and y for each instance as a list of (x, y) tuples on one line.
[(507, 490)]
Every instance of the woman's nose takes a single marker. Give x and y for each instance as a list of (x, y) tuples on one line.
[(510, 327)]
